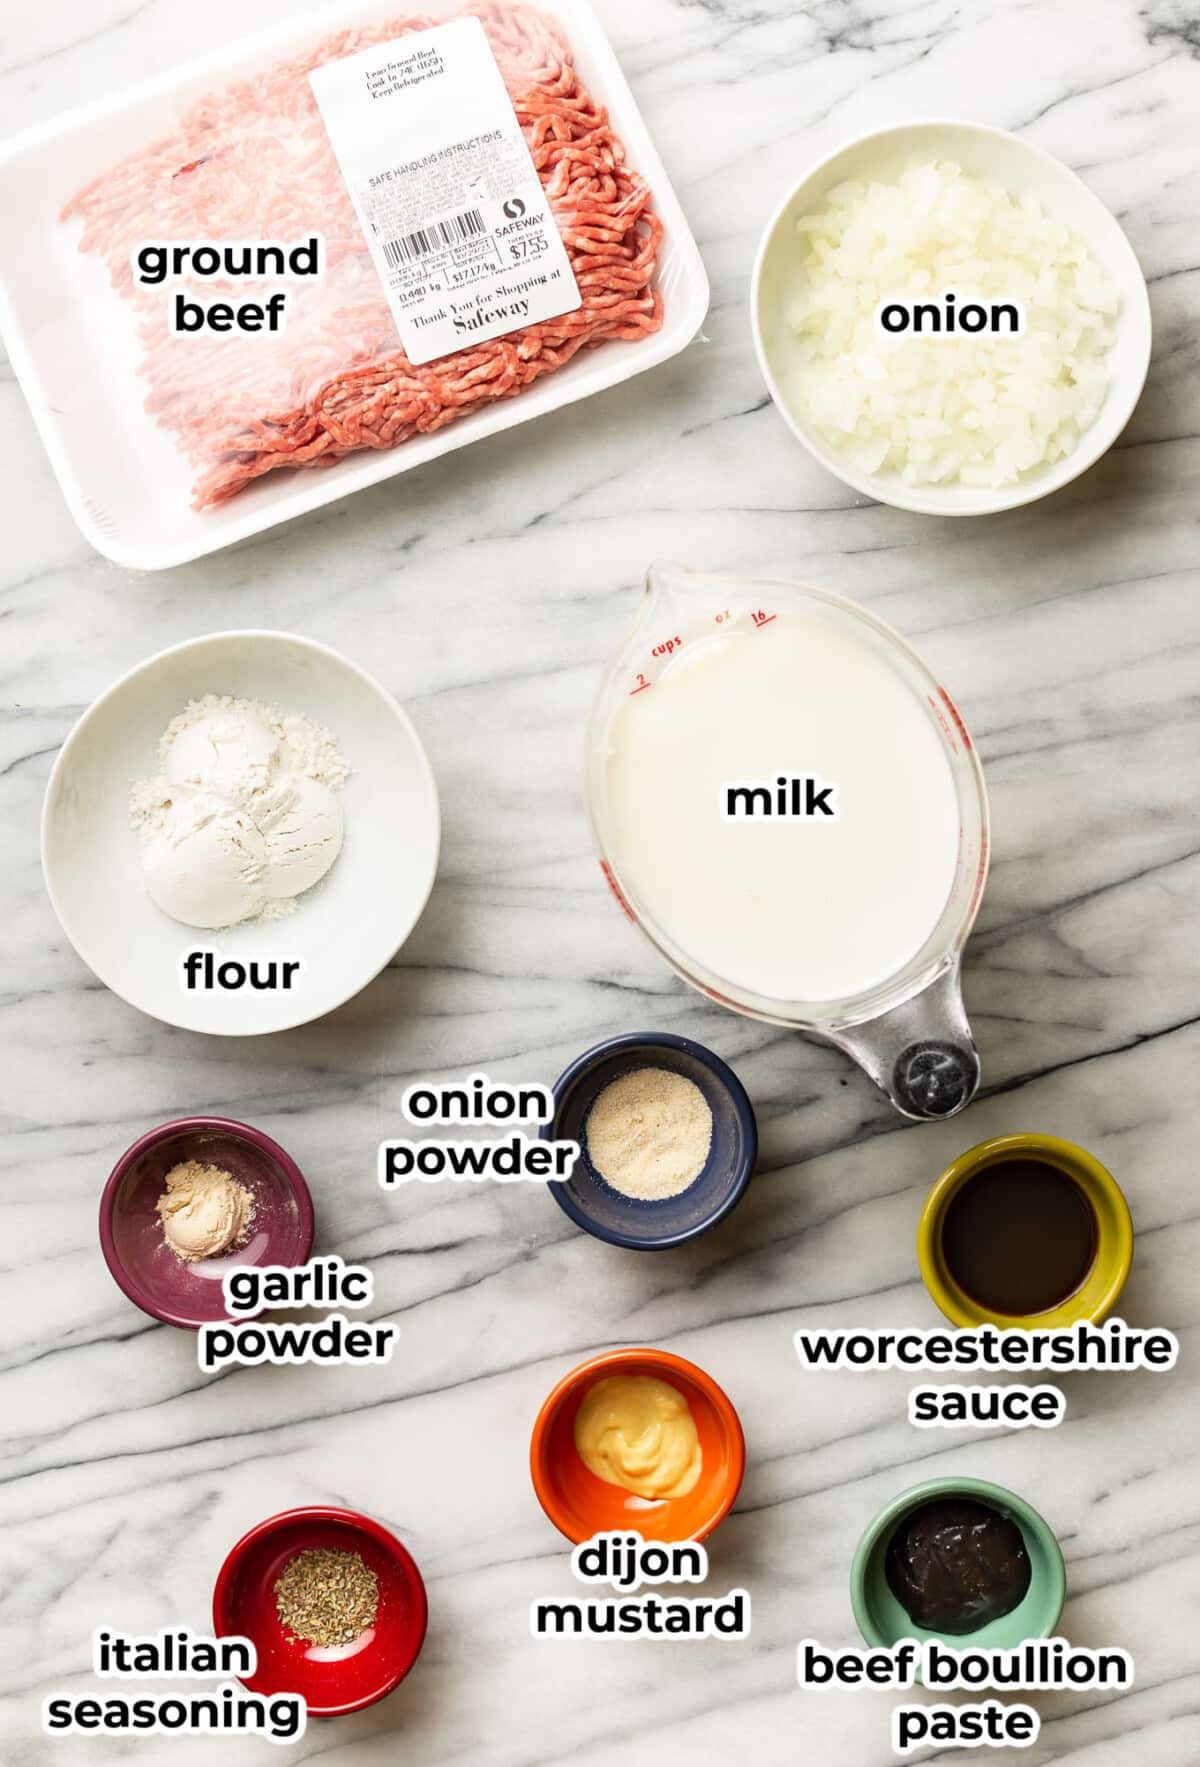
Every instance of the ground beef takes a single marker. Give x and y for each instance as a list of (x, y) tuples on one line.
[(253, 162)]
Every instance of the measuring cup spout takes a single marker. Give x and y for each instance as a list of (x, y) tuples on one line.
[(665, 575), (921, 1053), (674, 593)]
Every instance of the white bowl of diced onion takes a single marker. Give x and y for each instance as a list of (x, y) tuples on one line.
[(938, 424)]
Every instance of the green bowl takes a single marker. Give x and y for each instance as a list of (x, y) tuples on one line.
[(882, 1620)]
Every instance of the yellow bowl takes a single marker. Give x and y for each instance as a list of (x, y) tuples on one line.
[(1114, 1233)]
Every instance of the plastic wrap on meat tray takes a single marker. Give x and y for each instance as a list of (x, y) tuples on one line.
[(253, 161)]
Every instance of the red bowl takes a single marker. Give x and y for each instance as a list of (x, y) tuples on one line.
[(333, 1679), (580, 1505)]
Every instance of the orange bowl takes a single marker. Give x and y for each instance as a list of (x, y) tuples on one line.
[(580, 1505)]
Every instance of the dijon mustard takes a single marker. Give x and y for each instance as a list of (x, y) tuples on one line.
[(636, 1431)]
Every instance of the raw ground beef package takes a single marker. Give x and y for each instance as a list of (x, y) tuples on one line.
[(253, 417)]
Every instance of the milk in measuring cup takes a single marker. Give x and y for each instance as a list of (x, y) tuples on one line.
[(794, 907)]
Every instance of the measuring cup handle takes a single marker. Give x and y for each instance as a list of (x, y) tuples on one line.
[(921, 1053)]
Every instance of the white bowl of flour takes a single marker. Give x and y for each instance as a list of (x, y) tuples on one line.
[(336, 932)]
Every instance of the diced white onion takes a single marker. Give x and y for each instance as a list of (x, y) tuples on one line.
[(978, 408)]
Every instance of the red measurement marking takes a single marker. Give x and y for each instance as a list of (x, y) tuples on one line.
[(761, 619), (642, 685), (981, 874), (721, 999), (954, 713), (722, 617), (615, 887), (938, 714)]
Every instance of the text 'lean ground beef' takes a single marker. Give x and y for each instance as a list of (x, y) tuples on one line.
[(253, 162)]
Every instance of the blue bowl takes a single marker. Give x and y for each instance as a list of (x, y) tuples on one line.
[(627, 1221)]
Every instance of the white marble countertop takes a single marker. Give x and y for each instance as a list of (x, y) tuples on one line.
[(486, 590)]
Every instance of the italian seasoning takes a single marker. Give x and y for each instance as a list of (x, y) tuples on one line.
[(326, 1597)]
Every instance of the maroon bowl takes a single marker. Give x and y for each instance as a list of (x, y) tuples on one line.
[(337, 1679), (131, 1234)]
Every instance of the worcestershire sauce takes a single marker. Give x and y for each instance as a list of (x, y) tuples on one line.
[(1019, 1237)]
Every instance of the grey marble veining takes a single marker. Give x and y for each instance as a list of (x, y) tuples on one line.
[(486, 590)]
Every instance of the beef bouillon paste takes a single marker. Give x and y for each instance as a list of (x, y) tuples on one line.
[(954, 1564)]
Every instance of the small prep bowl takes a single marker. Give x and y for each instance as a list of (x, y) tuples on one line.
[(627, 1221), (580, 1505), (881, 1619), (1019, 167), (338, 1679), (1114, 1232), (131, 1235), (347, 928)]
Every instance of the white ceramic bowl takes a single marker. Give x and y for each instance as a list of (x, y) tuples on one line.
[(1019, 167), (346, 929)]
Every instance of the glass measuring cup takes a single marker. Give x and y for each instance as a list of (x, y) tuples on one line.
[(909, 1032)]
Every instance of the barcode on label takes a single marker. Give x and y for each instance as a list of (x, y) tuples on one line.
[(427, 239)]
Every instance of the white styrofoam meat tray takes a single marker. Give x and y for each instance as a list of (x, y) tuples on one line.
[(72, 340)]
